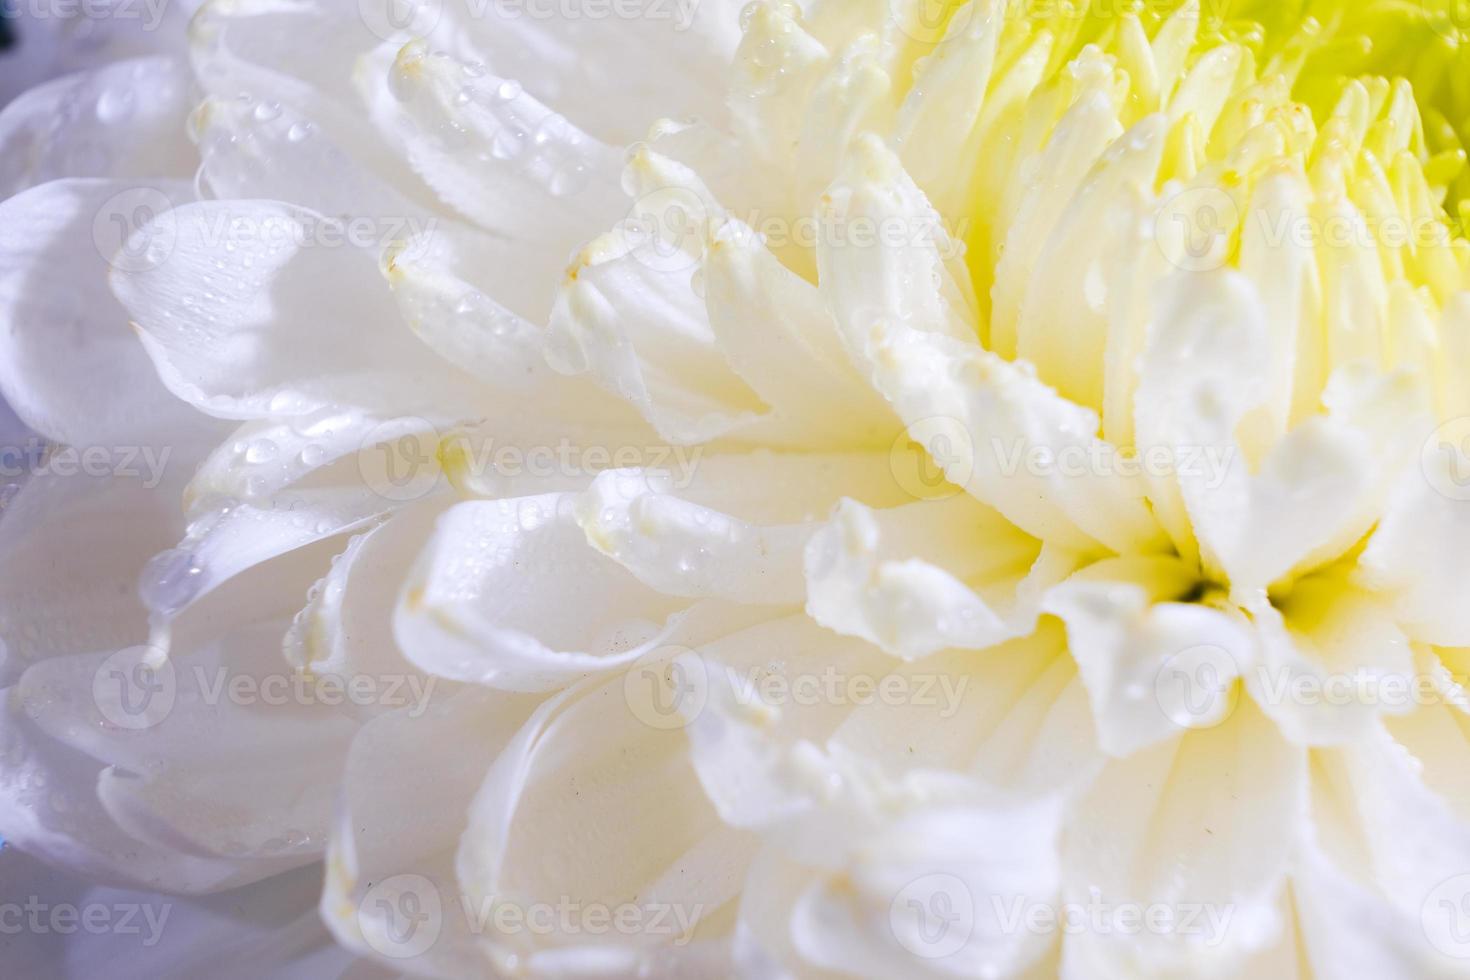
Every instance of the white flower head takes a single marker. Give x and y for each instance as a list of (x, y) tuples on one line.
[(872, 488)]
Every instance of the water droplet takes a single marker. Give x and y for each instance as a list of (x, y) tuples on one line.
[(114, 104), (261, 451), (299, 131), (169, 581), (266, 111)]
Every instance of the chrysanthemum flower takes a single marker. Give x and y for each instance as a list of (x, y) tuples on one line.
[(987, 495)]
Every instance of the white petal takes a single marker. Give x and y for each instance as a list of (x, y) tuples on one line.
[(69, 365), (590, 780), (1202, 822), (487, 602), (1014, 443), (400, 822), (1418, 553), (124, 120), (921, 578), (550, 182), (1153, 667), (638, 327)]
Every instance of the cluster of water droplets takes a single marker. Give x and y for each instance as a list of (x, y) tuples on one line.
[(494, 119)]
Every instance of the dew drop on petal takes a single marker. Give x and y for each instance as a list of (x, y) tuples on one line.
[(261, 451), (114, 104), (169, 581)]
